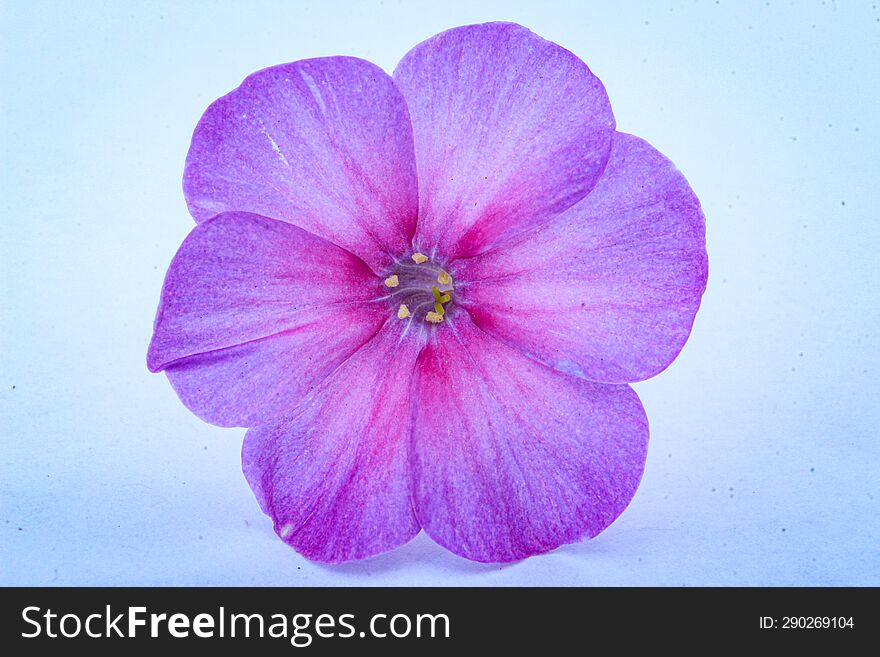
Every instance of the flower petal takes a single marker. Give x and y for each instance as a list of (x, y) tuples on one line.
[(255, 311), (509, 131), (334, 474), (325, 144), (512, 458), (609, 289)]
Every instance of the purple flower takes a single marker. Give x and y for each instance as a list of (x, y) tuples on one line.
[(425, 295)]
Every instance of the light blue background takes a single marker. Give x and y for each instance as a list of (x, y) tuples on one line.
[(763, 463)]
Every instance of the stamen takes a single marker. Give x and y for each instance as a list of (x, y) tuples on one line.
[(420, 290), (442, 298), (439, 300)]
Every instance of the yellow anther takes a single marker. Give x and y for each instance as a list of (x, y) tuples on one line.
[(434, 318), (419, 258), (392, 281), (444, 278), (403, 311)]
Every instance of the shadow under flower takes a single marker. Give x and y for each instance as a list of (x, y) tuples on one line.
[(420, 550)]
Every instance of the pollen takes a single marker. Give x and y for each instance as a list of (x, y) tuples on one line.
[(422, 291)]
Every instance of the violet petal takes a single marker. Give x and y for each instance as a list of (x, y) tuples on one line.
[(609, 289), (253, 312), (512, 458), (510, 130), (333, 474), (325, 144)]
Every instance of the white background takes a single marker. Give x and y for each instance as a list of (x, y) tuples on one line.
[(763, 463)]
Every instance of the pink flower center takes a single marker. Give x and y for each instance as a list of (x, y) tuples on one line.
[(419, 289)]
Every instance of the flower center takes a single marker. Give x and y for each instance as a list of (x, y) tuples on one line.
[(420, 289)]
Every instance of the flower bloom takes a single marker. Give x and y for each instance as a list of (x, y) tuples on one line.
[(425, 295)]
